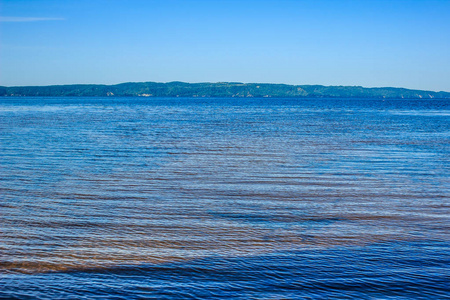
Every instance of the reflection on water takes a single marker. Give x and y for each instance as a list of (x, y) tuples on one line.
[(102, 183)]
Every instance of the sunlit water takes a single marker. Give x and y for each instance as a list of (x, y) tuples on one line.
[(224, 198)]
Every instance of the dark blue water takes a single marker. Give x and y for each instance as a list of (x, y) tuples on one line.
[(224, 198)]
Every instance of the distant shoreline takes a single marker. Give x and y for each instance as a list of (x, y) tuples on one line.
[(217, 90)]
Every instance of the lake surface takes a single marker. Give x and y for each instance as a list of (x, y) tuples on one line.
[(182, 198)]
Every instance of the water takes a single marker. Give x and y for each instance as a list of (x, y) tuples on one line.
[(224, 198)]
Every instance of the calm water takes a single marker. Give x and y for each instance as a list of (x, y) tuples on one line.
[(224, 198)]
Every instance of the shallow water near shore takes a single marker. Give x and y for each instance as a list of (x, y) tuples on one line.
[(219, 198)]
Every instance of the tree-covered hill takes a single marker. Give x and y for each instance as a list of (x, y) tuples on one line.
[(221, 89)]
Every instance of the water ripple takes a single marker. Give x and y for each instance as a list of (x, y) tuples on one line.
[(191, 198)]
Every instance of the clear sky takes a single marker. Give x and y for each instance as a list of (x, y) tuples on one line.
[(400, 43)]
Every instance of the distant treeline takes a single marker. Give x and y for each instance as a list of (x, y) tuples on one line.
[(221, 89)]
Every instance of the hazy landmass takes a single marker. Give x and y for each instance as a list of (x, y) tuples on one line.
[(221, 89)]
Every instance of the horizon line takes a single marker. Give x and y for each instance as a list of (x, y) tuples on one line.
[(218, 82)]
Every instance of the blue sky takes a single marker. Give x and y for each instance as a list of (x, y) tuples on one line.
[(401, 43)]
